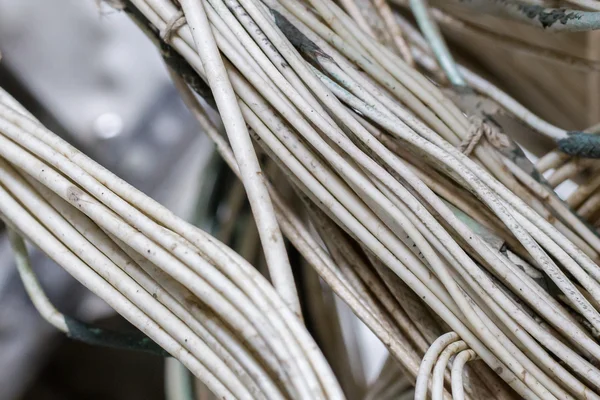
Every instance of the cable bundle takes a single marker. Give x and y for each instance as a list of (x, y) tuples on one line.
[(431, 225), (153, 268)]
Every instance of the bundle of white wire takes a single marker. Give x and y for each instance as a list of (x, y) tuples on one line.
[(278, 92), (195, 297), (369, 143), (586, 198)]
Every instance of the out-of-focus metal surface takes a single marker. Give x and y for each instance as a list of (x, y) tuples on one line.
[(83, 61), (91, 75)]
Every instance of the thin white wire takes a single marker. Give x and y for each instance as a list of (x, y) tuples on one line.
[(430, 30), (458, 390), (260, 202), (440, 368), (32, 284)]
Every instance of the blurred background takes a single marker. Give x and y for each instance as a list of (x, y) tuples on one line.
[(91, 76)]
